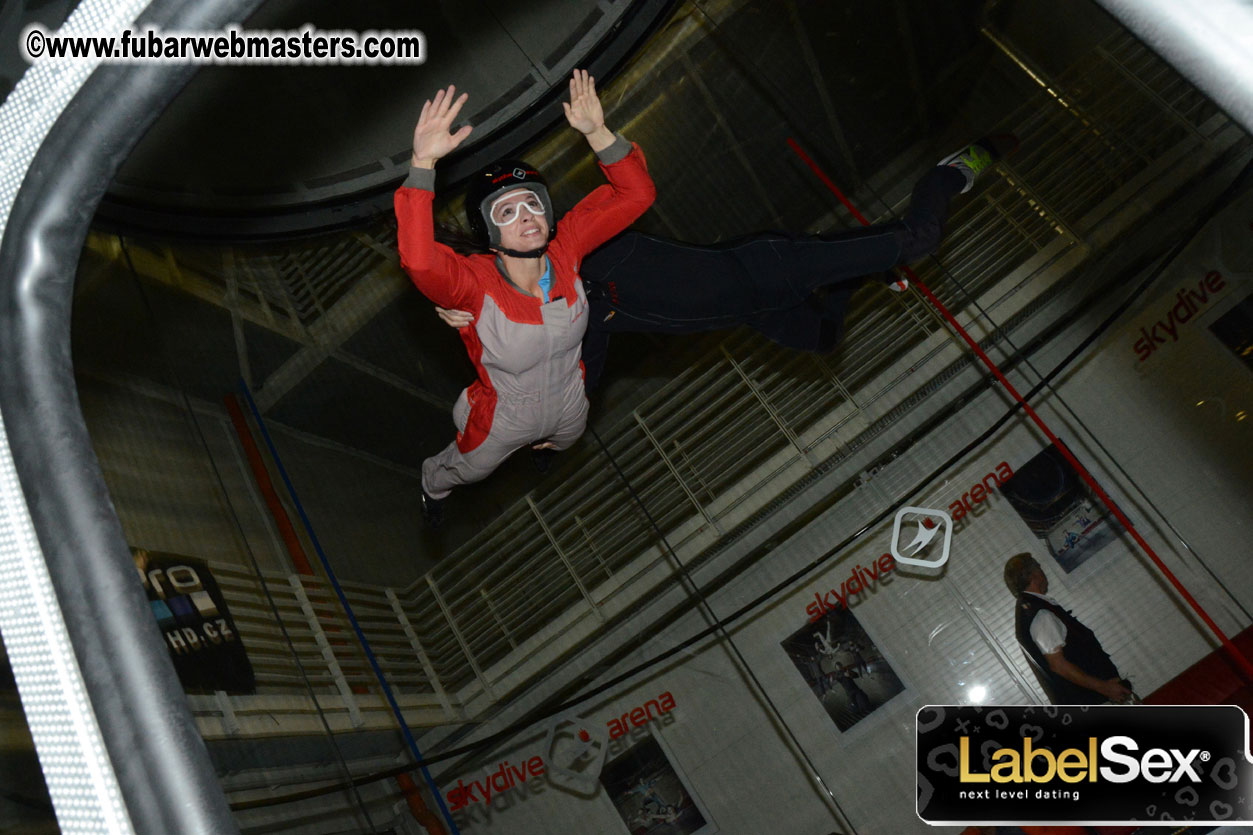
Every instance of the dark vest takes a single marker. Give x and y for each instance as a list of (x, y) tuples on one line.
[(1082, 649)]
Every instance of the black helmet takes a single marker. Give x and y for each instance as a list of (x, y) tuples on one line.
[(496, 179)]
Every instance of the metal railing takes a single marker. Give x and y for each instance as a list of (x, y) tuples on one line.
[(316, 655)]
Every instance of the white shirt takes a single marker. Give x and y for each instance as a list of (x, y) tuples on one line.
[(1046, 628)]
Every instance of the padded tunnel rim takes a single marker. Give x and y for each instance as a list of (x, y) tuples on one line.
[(162, 766)]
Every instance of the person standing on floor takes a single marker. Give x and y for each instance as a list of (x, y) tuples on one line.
[(1069, 661)]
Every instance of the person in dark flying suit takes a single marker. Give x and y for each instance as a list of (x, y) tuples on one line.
[(794, 290)]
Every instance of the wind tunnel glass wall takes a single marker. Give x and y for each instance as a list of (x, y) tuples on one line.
[(24, 802), (693, 622)]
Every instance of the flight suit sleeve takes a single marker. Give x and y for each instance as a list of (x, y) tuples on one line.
[(441, 274), (612, 207)]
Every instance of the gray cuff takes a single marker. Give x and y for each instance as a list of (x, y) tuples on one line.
[(423, 178), (615, 152)]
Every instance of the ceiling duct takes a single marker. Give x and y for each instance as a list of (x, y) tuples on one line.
[(262, 151)]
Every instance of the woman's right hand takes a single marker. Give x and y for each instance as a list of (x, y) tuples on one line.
[(455, 318), (432, 139)]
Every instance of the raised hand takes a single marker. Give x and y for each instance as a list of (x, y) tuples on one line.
[(432, 139), (583, 111)]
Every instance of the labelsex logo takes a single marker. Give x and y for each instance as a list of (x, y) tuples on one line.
[(1156, 765), (1084, 764)]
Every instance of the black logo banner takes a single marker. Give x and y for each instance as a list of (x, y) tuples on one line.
[(1084, 764), (198, 628)]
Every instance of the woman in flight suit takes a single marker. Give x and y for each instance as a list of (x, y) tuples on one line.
[(529, 307)]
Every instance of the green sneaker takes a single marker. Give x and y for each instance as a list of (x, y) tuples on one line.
[(980, 155)]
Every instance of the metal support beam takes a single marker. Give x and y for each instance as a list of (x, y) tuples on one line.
[(792, 437), (237, 326), (675, 472), (423, 658), (733, 143), (691, 465), (155, 265), (500, 624), (565, 560), (911, 63), (1149, 92), (591, 546), (1057, 93), (824, 94), (230, 722), (461, 641), (328, 653), (373, 292)]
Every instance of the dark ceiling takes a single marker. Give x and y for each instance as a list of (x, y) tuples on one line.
[(264, 149)]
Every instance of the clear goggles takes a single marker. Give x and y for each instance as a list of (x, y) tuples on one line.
[(508, 208)]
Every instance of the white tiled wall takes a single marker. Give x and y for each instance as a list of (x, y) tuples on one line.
[(944, 634)]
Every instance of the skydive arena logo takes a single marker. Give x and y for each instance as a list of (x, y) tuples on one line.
[(574, 750), (1084, 765), (921, 536)]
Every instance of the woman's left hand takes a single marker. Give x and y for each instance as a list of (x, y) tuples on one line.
[(583, 111), (455, 318)]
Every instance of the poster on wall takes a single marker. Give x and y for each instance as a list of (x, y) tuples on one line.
[(1235, 330), (649, 794), (198, 629), (843, 667), (1059, 509)]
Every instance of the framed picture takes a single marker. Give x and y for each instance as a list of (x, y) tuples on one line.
[(649, 793), (1235, 330), (843, 667), (1057, 506)]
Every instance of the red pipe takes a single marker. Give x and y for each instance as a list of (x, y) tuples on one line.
[(418, 808), (1231, 648), (300, 560), (262, 476)]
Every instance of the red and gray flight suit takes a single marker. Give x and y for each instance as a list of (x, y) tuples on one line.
[(527, 353)]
